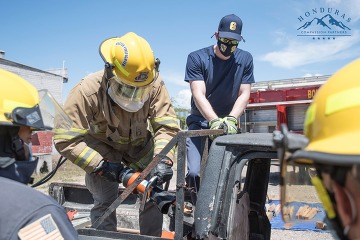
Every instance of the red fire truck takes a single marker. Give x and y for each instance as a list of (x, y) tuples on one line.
[(275, 102)]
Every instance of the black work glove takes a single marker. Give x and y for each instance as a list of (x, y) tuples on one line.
[(163, 170), (163, 199), (110, 171)]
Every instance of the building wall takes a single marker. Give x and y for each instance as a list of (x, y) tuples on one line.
[(40, 79)]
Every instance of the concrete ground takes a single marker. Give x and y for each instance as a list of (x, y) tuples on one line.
[(274, 193)]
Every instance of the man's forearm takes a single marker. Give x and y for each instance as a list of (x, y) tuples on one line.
[(239, 106), (205, 108)]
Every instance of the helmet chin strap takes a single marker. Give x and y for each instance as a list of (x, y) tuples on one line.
[(109, 74), (17, 145), (109, 70), (353, 211)]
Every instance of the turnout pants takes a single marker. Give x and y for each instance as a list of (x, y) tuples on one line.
[(105, 193)]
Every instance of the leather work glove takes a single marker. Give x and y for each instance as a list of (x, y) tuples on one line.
[(217, 123), (163, 170), (110, 171), (231, 123)]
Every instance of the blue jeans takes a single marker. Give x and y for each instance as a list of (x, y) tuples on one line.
[(193, 145)]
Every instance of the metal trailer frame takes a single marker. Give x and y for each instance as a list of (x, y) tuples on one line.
[(223, 194)]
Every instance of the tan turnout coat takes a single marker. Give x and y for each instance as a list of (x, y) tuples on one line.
[(103, 130)]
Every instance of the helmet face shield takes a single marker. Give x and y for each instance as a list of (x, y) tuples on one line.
[(53, 115), (303, 174), (300, 200), (42, 116), (130, 98)]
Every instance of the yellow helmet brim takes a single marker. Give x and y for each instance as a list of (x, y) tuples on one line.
[(105, 49)]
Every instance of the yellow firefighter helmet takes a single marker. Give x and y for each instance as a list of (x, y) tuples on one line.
[(132, 58), (16, 94), (131, 69), (332, 120), (21, 104), (331, 147)]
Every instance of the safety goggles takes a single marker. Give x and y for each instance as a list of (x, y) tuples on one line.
[(226, 40)]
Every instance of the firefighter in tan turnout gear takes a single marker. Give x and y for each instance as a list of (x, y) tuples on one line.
[(110, 137)]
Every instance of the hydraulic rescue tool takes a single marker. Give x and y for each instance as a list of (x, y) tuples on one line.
[(137, 181)]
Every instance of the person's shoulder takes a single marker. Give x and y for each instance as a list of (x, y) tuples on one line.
[(91, 83), (242, 52), (14, 188), (8, 182), (93, 79), (243, 55), (202, 52), (158, 82)]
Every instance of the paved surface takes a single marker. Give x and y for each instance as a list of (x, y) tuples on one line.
[(274, 193)]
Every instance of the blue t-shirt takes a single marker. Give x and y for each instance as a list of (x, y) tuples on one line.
[(222, 77)]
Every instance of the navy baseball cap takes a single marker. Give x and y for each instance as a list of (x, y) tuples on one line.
[(230, 26)]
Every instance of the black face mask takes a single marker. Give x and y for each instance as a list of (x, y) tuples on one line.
[(226, 48)]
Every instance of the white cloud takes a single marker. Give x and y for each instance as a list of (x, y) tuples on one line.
[(353, 8), (350, 7), (182, 99), (173, 77), (302, 52), (280, 37), (312, 75), (178, 89), (332, 2)]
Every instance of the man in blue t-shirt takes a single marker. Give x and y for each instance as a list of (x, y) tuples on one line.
[(220, 78)]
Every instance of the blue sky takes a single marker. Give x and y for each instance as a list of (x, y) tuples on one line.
[(47, 34)]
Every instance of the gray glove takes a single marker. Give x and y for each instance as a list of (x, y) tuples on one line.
[(163, 170)]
